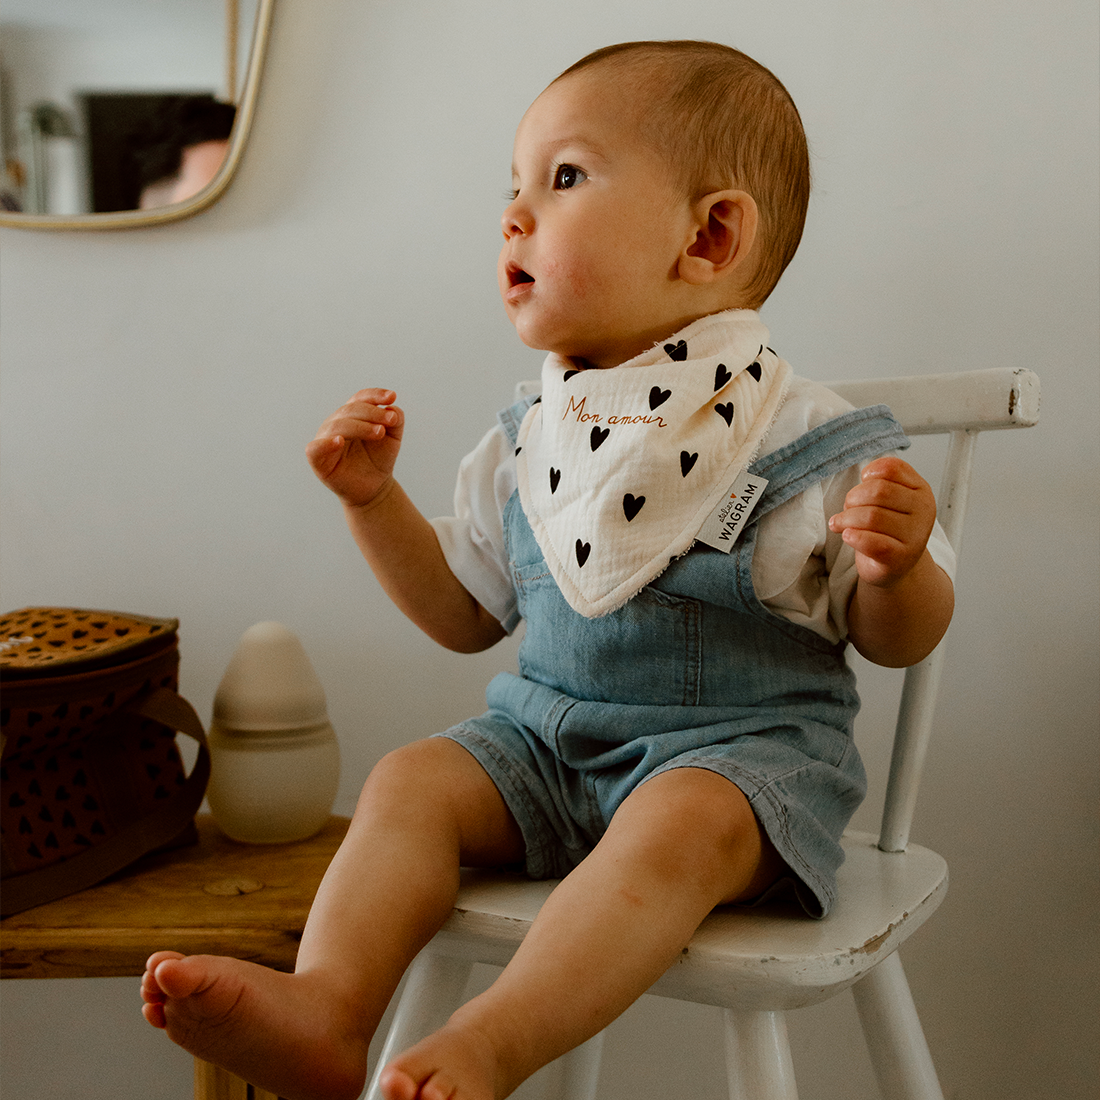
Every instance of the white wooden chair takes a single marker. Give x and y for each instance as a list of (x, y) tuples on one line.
[(758, 963)]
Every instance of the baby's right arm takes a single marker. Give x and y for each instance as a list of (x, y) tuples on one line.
[(354, 453)]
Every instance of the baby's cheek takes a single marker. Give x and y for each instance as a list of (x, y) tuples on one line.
[(563, 272)]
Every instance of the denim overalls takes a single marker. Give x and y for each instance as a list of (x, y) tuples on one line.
[(694, 671)]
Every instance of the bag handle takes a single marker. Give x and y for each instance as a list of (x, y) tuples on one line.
[(170, 709)]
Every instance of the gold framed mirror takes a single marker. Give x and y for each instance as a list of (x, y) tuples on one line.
[(98, 131)]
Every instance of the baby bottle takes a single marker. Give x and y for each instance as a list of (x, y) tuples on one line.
[(275, 760)]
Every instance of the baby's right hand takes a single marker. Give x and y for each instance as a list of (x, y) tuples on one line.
[(355, 449)]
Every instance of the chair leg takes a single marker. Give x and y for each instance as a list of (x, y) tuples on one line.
[(433, 990), (758, 1056), (580, 1070), (895, 1040)]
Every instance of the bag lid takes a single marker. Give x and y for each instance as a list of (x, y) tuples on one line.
[(54, 641)]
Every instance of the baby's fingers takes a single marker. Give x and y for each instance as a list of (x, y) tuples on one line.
[(369, 427), (887, 519), (361, 418), (879, 491), (375, 397), (880, 558), (892, 468), (893, 511), (892, 498), (324, 453)]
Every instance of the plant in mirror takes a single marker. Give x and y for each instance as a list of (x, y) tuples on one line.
[(121, 113)]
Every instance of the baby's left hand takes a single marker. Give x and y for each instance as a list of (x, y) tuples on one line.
[(887, 519)]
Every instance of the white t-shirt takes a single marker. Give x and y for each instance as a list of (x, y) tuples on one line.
[(801, 570)]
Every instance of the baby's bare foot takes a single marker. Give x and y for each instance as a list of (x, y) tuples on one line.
[(282, 1032), (453, 1064)]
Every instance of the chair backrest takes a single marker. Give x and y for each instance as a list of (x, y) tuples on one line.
[(961, 406)]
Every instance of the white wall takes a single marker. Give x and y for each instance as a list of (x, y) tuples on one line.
[(160, 386)]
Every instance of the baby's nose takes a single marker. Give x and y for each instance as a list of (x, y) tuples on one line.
[(515, 219)]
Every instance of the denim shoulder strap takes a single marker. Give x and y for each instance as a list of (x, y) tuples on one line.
[(833, 446), (512, 417)]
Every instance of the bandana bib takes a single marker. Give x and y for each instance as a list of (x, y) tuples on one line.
[(619, 469)]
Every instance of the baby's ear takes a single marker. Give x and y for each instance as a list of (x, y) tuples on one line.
[(725, 229)]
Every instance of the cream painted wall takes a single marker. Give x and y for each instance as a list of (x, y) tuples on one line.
[(159, 387)]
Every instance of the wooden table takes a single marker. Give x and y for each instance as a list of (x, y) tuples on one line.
[(214, 898)]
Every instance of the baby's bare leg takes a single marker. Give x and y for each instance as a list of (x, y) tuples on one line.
[(679, 845), (425, 810)]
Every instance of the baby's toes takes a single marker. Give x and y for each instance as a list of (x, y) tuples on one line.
[(410, 1082), (182, 976), (153, 962), (158, 957), (151, 991), (398, 1085), (438, 1087)]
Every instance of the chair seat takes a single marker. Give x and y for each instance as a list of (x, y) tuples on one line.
[(769, 958)]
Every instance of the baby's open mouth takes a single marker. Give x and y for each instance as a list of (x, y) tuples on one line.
[(518, 275)]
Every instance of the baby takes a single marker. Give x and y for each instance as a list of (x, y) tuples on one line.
[(691, 533)]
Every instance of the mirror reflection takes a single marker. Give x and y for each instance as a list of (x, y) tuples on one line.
[(123, 111)]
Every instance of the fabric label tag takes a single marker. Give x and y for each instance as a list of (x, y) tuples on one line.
[(728, 520)]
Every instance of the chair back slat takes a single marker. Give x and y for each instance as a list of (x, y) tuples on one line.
[(913, 731), (928, 404), (961, 405)]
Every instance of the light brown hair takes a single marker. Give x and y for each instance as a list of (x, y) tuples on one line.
[(722, 120)]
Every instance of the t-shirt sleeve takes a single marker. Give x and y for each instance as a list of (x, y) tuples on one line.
[(472, 539)]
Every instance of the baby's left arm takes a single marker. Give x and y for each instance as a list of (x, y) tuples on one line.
[(903, 601)]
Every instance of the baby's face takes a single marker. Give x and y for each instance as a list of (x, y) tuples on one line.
[(594, 230)]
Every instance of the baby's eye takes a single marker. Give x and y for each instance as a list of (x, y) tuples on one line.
[(567, 176)]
